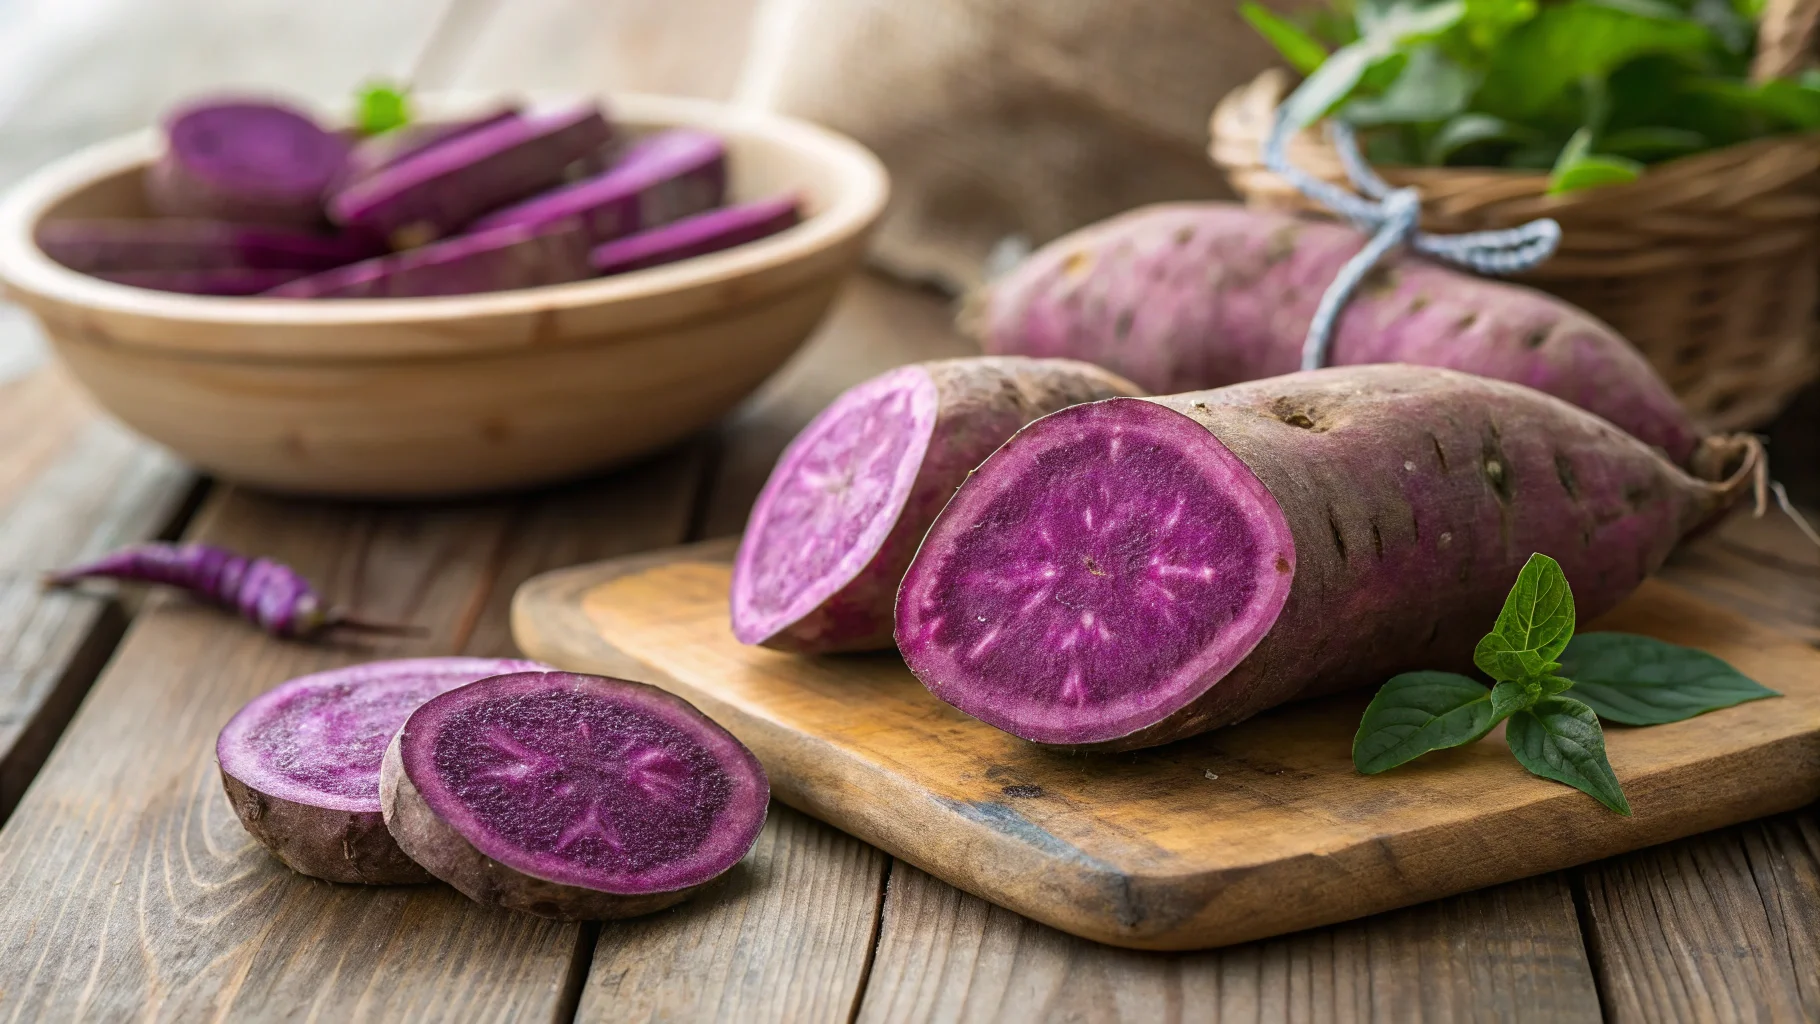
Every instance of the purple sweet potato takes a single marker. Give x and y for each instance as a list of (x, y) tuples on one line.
[(437, 191), (508, 257), (1199, 295), (570, 796), (839, 519), (378, 152), (698, 235), (245, 160), (222, 281), (1126, 573), (112, 244), (301, 762), (661, 178)]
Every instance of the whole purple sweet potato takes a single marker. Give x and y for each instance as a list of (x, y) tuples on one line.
[(842, 514), (1129, 572), (1198, 295)]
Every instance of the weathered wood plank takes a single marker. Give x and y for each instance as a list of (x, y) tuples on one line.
[(1508, 953), (133, 891), (1726, 925), (786, 938), (72, 485), (1720, 927)]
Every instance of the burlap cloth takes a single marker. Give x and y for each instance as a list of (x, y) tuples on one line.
[(997, 118)]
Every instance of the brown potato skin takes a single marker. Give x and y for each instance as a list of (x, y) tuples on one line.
[(337, 846)]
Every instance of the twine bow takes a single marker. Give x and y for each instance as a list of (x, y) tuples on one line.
[(1391, 216)]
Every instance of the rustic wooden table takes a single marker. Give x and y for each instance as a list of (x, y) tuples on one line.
[(129, 890)]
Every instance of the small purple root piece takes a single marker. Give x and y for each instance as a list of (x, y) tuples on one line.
[(269, 594)]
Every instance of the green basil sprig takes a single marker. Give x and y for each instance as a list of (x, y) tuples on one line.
[(1533, 659)]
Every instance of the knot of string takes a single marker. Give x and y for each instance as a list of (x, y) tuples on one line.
[(1391, 216)]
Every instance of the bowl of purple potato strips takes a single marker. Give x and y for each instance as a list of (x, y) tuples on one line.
[(496, 294)]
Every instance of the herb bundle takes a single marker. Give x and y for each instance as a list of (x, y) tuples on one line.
[(1591, 90), (1620, 677)]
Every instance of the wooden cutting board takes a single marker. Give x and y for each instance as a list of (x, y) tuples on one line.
[(1251, 831)]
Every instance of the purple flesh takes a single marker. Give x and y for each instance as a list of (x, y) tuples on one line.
[(582, 781), (301, 763), (661, 178), (250, 161), (1130, 572), (1127, 557), (437, 191), (510, 257), (224, 281), (107, 245), (842, 513), (834, 497), (698, 235), (384, 150)]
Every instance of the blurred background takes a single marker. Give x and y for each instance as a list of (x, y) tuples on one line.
[(997, 118)]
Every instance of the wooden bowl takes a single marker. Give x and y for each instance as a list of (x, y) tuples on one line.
[(437, 396)]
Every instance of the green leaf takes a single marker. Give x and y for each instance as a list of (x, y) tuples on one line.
[(1652, 143), (1471, 129), (1582, 170), (1551, 685), (1560, 739), (1570, 42), (1488, 21), (381, 108), (1507, 698), (1534, 627), (1301, 50), (1385, 32), (1431, 87), (1417, 712), (1638, 680)]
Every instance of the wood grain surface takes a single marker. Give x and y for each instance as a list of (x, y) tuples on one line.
[(72, 485), (1252, 831), (1508, 953), (132, 889), (786, 937)]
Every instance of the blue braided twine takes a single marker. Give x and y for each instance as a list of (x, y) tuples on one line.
[(1391, 216)]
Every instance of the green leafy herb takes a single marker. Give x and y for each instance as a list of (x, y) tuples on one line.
[(1383, 33), (1303, 51), (1534, 627), (1560, 739), (1638, 680), (1576, 168), (1590, 90), (380, 108), (1417, 712), (1630, 679)]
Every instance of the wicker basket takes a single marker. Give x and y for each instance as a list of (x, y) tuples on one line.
[(1710, 264)]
